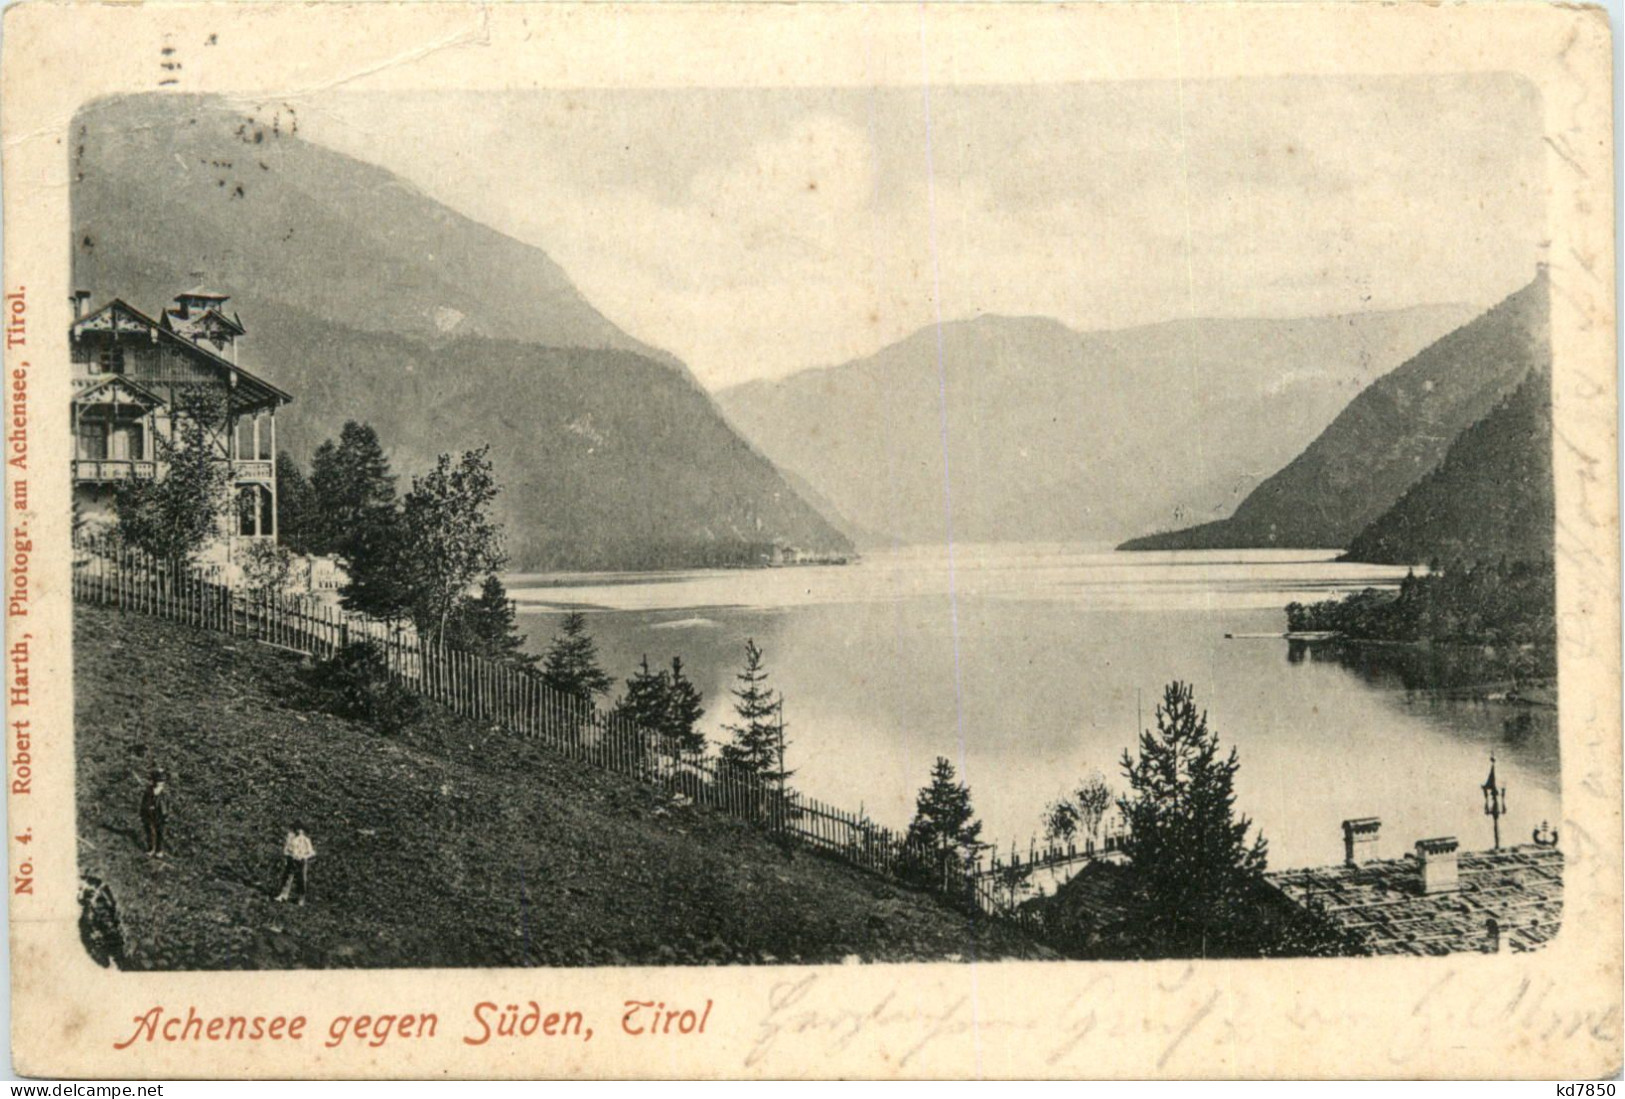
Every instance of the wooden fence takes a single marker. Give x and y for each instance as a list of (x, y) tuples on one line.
[(516, 700)]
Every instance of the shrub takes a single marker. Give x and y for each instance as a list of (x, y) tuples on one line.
[(99, 927), (354, 683), (267, 568)]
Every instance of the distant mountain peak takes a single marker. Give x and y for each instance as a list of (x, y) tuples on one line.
[(267, 214), (1029, 429), (368, 300), (1391, 435)]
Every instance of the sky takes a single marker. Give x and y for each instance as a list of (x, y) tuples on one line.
[(757, 232)]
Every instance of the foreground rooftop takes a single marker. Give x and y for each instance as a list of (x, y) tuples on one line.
[(1382, 906)]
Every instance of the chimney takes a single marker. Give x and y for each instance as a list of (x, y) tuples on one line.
[(80, 299), (1360, 840), (1493, 943), (1438, 859)]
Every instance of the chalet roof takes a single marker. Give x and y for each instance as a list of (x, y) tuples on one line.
[(1381, 905), (159, 331), (176, 323), (141, 393)]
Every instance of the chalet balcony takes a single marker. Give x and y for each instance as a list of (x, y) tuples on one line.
[(252, 471), (104, 470), (244, 471)]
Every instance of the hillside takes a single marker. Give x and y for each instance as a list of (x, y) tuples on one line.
[(367, 300), (173, 187), (607, 458), (1490, 500), (1388, 438), (446, 845), (1051, 434)]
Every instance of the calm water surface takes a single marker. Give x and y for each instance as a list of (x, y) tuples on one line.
[(1031, 666)]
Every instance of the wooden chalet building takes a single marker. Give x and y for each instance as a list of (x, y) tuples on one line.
[(131, 380)]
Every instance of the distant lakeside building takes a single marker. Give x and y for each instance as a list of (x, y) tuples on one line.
[(783, 555), (131, 377)]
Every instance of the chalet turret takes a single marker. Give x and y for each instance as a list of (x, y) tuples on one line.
[(133, 376), (200, 316)]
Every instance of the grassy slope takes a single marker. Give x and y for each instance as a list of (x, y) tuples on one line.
[(449, 845)]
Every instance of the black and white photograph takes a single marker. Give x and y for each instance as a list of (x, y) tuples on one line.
[(558, 529), (705, 541)]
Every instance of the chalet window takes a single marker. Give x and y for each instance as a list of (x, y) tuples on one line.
[(129, 442), (244, 438), (247, 507), (254, 511), (112, 359), (92, 441)]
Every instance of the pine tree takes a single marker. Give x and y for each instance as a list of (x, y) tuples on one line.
[(377, 581), (945, 826), (644, 702), (635, 720), (353, 515), (758, 740), (571, 663), (484, 625), (351, 486), (295, 505), (1193, 867), (678, 730)]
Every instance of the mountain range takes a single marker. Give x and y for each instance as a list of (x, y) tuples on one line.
[(1340, 490), (1490, 499), (1023, 429), (368, 300)]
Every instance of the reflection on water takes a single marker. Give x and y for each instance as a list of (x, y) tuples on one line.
[(1463, 688), (1031, 666), (1460, 670)]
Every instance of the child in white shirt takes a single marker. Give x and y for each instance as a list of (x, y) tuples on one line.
[(297, 851)]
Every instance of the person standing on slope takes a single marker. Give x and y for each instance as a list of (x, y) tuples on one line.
[(155, 811), (297, 851)]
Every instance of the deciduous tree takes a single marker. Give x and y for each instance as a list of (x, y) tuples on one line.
[(1079, 813), (175, 514), (449, 538), (267, 567)]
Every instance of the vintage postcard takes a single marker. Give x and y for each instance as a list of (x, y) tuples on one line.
[(801, 540)]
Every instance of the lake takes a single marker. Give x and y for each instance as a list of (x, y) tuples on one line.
[(1031, 666)]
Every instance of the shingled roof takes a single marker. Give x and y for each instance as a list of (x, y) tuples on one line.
[(1381, 905), (119, 314)]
